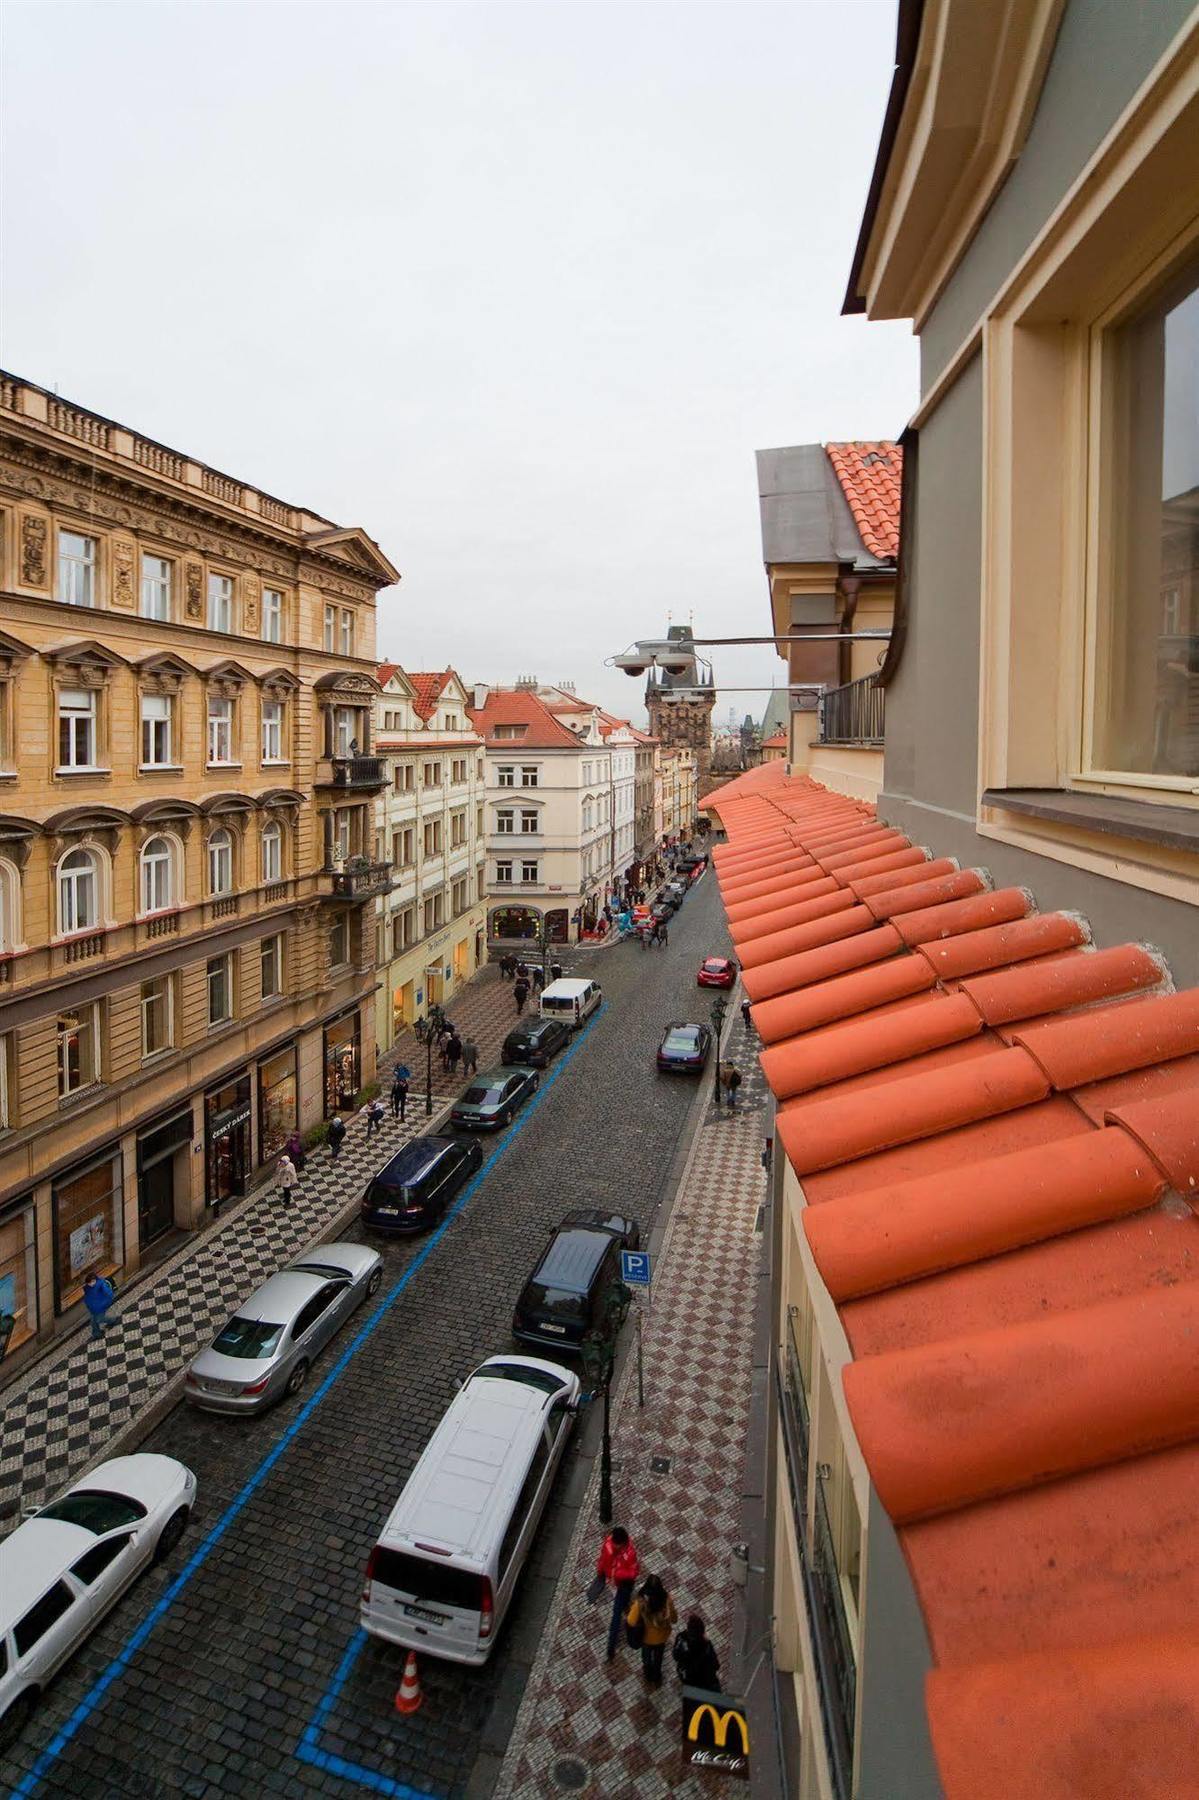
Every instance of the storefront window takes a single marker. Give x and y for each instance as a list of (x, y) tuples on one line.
[(342, 1063), (227, 1141), (87, 1226), (18, 1280), (515, 922), (277, 1107)]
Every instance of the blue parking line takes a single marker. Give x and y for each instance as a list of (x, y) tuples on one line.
[(117, 1667)]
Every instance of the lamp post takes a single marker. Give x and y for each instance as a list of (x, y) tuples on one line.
[(599, 1362), (720, 1007), (426, 1033)]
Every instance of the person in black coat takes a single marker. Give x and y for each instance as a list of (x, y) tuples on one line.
[(695, 1657)]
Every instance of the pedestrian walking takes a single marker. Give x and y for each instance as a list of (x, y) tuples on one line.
[(663, 934), (652, 1618), (98, 1296), (538, 978), (399, 1096), (470, 1056), (618, 1565), (520, 994), (745, 1018), (337, 1132), (453, 1050), (730, 1081), (285, 1176), (375, 1116), (294, 1147), (695, 1657)]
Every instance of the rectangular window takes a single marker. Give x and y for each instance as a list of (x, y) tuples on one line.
[(220, 730), (76, 569), (220, 989), (220, 603), (156, 588), (530, 820), (449, 722), (330, 628), (272, 731), (404, 778), (507, 774), (431, 774), (76, 728), (1146, 676), (480, 881), (272, 966), (528, 775), (458, 771), (339, 941), (433, 837), (505, 821), (528, 871), (458, 896), (503, 874), (457, 829), (342, 833), (156, 731), (509, 731), (272, 616), (346, 642), (434, 912), (478, 821), (156, 1016), (406, 928), (78, 1034)]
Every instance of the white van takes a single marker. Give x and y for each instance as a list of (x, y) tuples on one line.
[(442, 1575), (570, 1000)]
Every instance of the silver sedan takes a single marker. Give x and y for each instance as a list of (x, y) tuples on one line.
[(267, 1348)]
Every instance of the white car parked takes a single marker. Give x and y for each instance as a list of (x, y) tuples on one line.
[(67, 1564)]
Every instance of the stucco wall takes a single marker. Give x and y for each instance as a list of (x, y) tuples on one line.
[(1104, 51)]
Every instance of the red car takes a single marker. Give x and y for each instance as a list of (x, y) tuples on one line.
[(717, 971)]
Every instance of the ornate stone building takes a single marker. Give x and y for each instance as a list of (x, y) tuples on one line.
[(186, 833), (680, 711)]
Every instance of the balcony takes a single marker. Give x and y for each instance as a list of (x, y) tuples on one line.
[(358, 774), (358, 879), (853, 714)]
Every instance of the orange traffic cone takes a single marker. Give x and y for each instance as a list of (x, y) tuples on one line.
[(409, 1696)]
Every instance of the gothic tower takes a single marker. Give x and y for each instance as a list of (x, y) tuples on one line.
[(680, 710)]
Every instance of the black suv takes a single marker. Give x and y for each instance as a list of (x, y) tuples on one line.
[(415, 1187), (567, 1292), (533, 1044)]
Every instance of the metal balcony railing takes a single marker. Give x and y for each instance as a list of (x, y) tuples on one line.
[(359, 771), (852, 714), (359, 879)]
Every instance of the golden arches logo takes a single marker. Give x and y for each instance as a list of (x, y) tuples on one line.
[(720, 1726)]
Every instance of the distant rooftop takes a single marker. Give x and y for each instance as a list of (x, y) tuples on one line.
[(835, 503)]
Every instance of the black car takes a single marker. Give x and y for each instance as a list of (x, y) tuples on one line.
[(568, 1292), (413, 1190), (687, 865), (663, 908), (684, 1048), (535, 1043), (676, 892), (491, 1099)]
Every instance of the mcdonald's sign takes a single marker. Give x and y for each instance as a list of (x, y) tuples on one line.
[(715, 1732)]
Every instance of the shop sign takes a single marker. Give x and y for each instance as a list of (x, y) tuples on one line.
[(87, 1244), (228, 1121), (715, 1733)]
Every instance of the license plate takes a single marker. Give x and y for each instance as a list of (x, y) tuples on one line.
[(422, 1612), (222, 1387), (558, 1330), (387, 1212)]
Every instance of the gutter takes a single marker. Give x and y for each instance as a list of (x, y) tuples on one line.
[(907, 37)]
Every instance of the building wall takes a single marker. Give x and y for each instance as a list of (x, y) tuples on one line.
[(560, 847), (847, 770), (111, 1137)]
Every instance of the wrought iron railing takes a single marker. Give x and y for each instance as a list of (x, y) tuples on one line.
[(852, 714), (359, 771), (360, 879)]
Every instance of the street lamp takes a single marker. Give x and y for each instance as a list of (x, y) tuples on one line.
[(426, 1030), (599, 1362), (720, 1007)]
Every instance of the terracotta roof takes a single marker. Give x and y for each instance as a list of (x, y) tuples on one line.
[(385, 671), (871, 475), (429, 689), (777, 742), (506, 706), (995, 1125)]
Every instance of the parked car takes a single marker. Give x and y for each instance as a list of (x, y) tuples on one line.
[(675, 892), (691, 865), (684, 1048), (717, 972), (444, 1569), (570, 999), (531, 1046), (266, 1349), (662, 910), (493, 1098), (413, 1190), (567, 1292), (69, 1562)]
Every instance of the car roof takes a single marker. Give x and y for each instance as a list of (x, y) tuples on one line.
[(330, 1261), (280, 1298), (408, 1164), (572, 1257), (569, 987), (596, 1216), (681, 1025), (534, 1028)]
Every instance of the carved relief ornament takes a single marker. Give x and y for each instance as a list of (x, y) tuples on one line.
[(122, 572), (195, 590), (34, 568)]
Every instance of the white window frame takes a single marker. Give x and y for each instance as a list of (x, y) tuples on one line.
[(146, 1003), (271, 950), (345, 638), (272, 615), (272, 852), (330, 638), (222, 717), (344, 730), (530, 775), (220, 862), (76, 573), (506, 775), (157, 731), (220, 968), (89, 1022), (505, 821), (527, 864), (156, 876), (503, 872), (156, 588), (220, 602), (528, 813), (78, 707), (71, 884), (272, 731)]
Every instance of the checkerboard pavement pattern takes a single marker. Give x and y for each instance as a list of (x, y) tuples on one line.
[(59, 1415), (698, 1338)]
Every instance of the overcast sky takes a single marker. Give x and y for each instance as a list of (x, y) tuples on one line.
[(519, 288)]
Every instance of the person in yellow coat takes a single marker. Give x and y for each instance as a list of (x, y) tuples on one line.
[(650, 1620)]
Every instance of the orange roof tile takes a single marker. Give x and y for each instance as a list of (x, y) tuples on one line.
[(871, 477), (429, 689), (520, 707), (985, 1112)]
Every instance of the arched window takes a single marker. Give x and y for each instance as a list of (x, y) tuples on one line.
[(272, 852), (157, 875), (78, 891), (220, 862), (10, 907)]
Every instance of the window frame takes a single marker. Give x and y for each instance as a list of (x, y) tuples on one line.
[(72, 881), (214, 855), (88, 714), (87, 565), (88, 1024), (271, 948), (167, 725), (219, 602), (278, 725), (156, 876), (220, 968), (163, 583), (145, 1003), (212, 739), (272, 833), (272, 613)]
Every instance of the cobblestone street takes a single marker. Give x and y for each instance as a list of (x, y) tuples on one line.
[(238, 1669)]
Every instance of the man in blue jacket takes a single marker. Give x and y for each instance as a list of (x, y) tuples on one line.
[(98, 1296)]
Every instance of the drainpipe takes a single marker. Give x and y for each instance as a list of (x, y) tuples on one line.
[(849, 587)]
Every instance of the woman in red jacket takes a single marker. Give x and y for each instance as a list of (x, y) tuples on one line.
[(618, 1563)]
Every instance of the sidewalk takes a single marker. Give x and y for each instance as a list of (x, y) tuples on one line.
[(65, 1410), (594, 1727)]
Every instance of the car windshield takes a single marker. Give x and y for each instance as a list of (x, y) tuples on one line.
[(683, 1039), (95, 1510), (253, 1338), (475, 1096), (534, 1378), (715, 964), (554, 1003)]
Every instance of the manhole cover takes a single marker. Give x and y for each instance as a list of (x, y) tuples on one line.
[(660, 1465), (569, 1773)]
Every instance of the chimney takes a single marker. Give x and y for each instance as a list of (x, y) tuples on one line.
[(481, 692)]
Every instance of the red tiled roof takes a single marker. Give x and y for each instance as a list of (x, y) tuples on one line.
[(385, 671), (521, 707), (996, 1130), (777, 742), (870, 477), (429, 689)]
